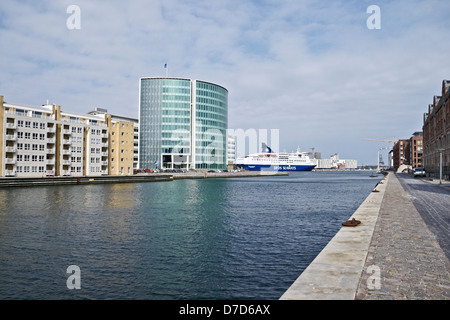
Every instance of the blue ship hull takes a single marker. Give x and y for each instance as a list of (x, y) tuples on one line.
[(258, 167)]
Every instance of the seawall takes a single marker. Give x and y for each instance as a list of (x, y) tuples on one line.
[(151, 177), (336, 272)]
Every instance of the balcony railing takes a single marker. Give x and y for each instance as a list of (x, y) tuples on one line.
[(10, 173), (11, 126), (10, 149), (10, 160), (10, 137)]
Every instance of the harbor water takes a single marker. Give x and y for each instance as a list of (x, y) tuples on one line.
[(240, 238)]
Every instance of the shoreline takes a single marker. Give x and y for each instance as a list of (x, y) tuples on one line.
[(391, 254), (151, 177), (336, 271)]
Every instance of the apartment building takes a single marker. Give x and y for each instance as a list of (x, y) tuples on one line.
[(123, 142), (39, 141), (231, 152), (401, 153), (416, 149), (436, 134)]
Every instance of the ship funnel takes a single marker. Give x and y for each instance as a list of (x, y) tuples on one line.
[(266, 148)]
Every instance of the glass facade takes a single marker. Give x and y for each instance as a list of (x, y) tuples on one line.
[(182, 124), (211, 120)]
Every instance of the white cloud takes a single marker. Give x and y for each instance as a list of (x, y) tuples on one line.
[(309, 68)]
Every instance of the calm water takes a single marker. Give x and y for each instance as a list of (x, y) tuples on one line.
[(189, 239)]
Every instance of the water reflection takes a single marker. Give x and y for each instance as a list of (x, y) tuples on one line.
[(187, 239)]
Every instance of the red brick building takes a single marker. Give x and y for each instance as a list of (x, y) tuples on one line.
[(436, 134), (400, 153), (416, 150)]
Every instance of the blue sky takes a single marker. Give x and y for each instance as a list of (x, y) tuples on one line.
[(311, 69)]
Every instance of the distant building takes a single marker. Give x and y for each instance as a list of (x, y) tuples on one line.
[(436, 134), (231, 152), (400, 153), (416, 150), (333, 162)]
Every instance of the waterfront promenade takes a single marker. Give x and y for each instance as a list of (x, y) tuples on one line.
[(391, 255)]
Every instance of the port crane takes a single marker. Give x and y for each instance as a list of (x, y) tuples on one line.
[(382, 140)]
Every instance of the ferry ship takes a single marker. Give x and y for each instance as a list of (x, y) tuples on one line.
[(267, 160)]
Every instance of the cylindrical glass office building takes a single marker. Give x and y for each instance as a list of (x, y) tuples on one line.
[(182, 123)]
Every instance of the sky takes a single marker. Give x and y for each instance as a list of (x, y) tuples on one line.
[(314, 70)]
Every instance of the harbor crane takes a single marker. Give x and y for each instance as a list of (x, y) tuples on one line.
[(382, 140)]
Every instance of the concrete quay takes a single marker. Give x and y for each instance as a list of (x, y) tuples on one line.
[(145, 177), (391, 255)]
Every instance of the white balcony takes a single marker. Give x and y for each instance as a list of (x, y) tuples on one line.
[(10, 173), (49, 173), (66, 172), (10, 149), (104, 163), (50, 161), (10, 160), (51, 140), (67, 152), (11, 126), (51, 130), (104, 154), (67, 141), (67, 131), (66, 162), (10, 137), (51, 150)]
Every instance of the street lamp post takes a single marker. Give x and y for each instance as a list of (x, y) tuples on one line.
[(440, 165)]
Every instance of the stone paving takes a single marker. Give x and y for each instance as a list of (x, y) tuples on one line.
[(404, 260)]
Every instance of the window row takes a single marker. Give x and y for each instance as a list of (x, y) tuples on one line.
[(27, 146), (33, 158), (27, 124), (30, 135), (20, 169)]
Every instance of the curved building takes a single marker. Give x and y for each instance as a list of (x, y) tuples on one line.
[(183, 124)]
